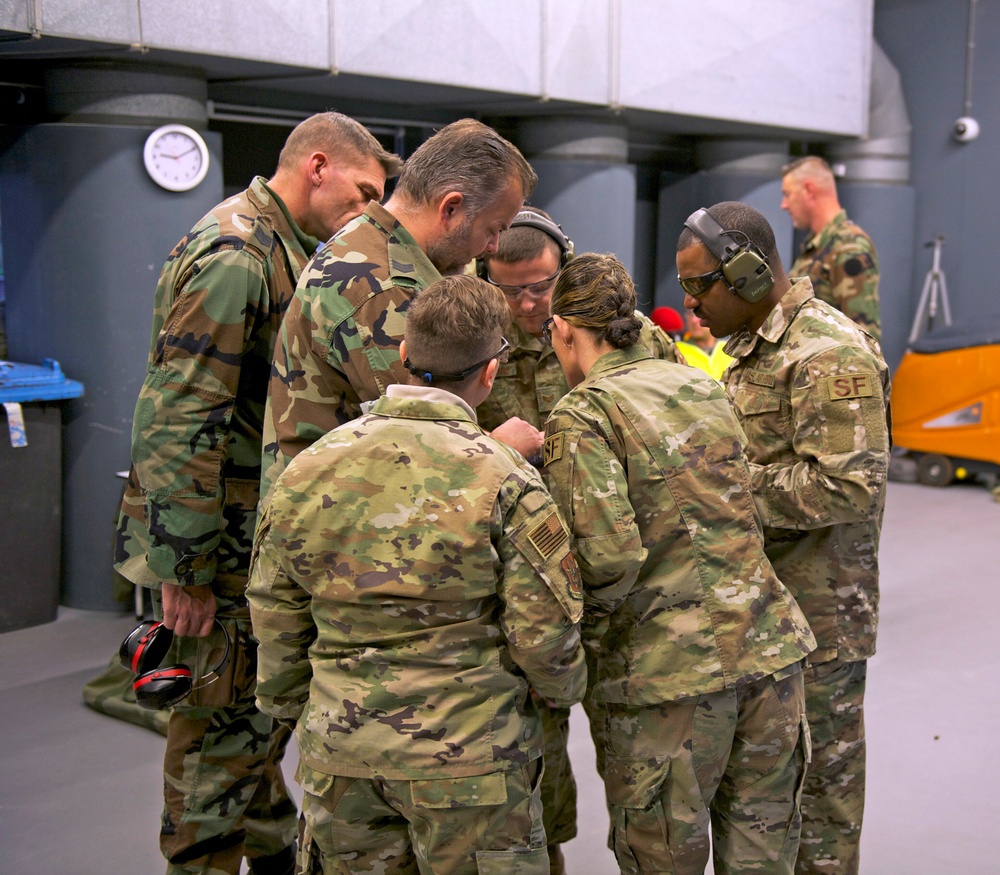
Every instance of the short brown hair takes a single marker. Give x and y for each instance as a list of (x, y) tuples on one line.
[(455, 322), (523, 242), (465, 156), (335, 133), (596, 292)]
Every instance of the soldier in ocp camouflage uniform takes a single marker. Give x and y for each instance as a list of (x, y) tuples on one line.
[(187, 519), (838, 257), (339, 344), (412, 578), (525, 267), (812, 392), (698, 645)]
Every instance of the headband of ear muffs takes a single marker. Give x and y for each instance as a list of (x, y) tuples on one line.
[(529, 218), (157, 687), (744, 267)]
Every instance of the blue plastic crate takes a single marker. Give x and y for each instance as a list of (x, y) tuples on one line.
[(45, 382)]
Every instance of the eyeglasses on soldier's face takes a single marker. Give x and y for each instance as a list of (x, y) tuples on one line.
[(696, 286), (428, 377), (547, 330), (535, 290)]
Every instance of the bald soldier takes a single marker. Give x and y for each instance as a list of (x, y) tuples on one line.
[(838, 257)]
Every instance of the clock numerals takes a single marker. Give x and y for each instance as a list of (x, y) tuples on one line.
[(176, 157)]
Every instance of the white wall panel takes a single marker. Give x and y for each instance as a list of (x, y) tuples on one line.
[(295, 32), (106, 20), (578, 50), (786, 63), (14, 15), (488, 45)]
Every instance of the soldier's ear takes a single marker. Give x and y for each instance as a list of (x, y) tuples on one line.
[(489, 373), (451, 210)]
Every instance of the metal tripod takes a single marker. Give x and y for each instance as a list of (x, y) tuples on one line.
[(935, 291)]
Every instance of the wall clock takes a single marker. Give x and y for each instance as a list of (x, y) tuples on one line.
[(176, 157)]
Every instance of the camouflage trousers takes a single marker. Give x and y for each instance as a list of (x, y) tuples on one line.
[(482, 825), (833, 800), (224, 793), (723, 769), (558, 784)]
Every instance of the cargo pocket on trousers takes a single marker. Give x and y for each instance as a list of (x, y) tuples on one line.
[(515, 862), (633, 785)]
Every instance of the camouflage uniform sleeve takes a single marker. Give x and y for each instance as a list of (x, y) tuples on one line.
[(281, 614), (543, 601), (185, 406), (840, 442), (853, 279), (658, 342), (327, 362), (590, 486)]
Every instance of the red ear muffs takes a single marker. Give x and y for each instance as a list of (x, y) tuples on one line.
[(141, 653)]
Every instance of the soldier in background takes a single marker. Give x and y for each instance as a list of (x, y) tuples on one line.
[(698, 646), (339, 345), (412, 578), (701, 350), (188, 515), (838, 257), (525, 267), (811, 391)]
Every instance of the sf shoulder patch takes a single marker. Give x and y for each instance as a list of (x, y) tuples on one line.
[(547, 537), (554, 445), (851, 386)]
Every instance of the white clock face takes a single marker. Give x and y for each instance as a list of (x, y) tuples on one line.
[(176, 157)]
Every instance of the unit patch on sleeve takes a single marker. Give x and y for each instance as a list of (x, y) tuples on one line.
[(554, 445), (850, 386), (545, 538)]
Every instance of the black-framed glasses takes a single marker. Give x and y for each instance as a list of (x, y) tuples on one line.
[(696, 286), (429, 377), (547, 331), (535, 290)]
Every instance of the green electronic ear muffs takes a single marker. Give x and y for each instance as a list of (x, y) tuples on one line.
[(744, 267)]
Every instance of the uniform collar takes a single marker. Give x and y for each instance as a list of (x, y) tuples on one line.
[(777, 321), (271, 204), (823, 233), (406, 392)]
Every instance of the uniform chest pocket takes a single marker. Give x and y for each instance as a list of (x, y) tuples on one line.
[(766, 418)]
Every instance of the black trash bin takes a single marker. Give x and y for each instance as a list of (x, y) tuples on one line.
[(31, 491)]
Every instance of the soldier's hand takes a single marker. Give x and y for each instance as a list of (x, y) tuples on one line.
[(521, 436), (188, 610)]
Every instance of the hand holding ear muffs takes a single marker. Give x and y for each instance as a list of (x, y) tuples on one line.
[(141, 653)]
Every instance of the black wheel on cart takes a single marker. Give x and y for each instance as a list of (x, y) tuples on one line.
[(935, 470)]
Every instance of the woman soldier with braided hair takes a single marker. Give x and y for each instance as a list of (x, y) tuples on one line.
[(695, 690)]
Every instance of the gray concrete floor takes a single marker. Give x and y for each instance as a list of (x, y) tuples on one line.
[(80, 792)]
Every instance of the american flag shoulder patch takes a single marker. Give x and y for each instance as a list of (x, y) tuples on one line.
[(548, 535)]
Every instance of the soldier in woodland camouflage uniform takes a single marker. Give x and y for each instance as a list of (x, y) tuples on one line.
[(838, 257), (699, 647), (412, 578), (187, 518), (339, 345), (812, 393)]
